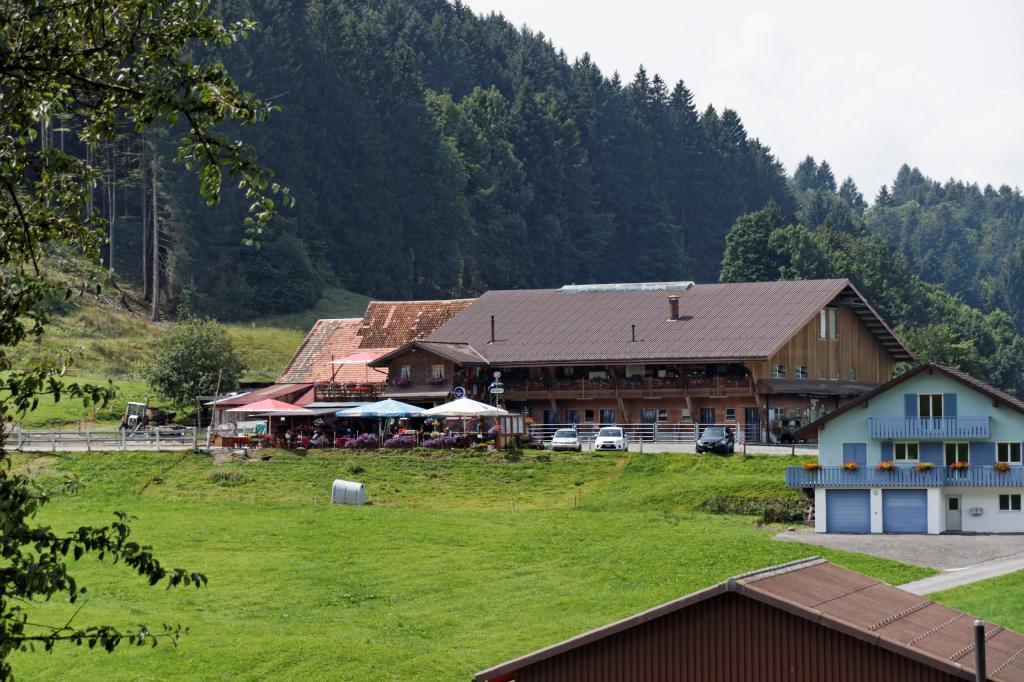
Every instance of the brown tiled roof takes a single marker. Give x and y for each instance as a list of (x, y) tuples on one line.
[(392, 324), (327, 339), (1000, 397), (278, 390), (846, 601), (386, 326), (718, 322)]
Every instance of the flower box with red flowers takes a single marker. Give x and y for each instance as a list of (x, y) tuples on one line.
[(960, 465), (811, 466), (851, 466), (886, 465), (924, 466), (1001, 466)]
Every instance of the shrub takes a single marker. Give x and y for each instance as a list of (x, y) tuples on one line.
[(769, 509), (194, 358), (401, 440), (229, 478), (366, 441)]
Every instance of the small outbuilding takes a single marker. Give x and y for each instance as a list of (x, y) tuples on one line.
[(808, 620)]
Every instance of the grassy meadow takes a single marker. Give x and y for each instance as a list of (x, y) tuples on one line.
[(459, 562), (1000, 600)]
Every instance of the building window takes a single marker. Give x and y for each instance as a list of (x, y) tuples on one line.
[(904, 452), (588, 416), (572, 417), (778, 371), (1009, 502), (777, 415), (569, 371), (956, 452), (1008, 452), (437, 371), (607, 416), (853, 374), (801, 372), (687, 417), (929, 405), (663, 415), (404, 372), (707, 415), (648, 415), (827, 324), (730, 414)]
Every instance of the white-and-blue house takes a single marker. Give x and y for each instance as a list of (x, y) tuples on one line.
[(932, 451)]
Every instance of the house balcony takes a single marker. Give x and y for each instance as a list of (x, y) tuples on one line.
[(347, 392), (935, 428), (647, 387), (905, 477)]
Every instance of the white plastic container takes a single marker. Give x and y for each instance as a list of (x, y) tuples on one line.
[(348, 492)]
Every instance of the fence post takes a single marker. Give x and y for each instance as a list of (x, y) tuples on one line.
[(158, 439), (195, 439), (21, 438), (88, 440), (122, 440), (53, 441)]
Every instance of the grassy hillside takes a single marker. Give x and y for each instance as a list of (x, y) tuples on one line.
[(1000, 599), (461, 561), (111, 338)]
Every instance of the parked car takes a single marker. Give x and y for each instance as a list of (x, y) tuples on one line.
[(717, 439), (566, 439), (611, 438)]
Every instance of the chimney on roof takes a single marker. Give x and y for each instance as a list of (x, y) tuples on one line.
[(673, 307), (492, 328)]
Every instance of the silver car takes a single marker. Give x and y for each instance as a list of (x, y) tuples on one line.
[(566, 439)]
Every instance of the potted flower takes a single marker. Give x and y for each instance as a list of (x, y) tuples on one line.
[(400, 381), (924, 466), (851, 466), (1001, 466), (886, 465), (811, 466), (959, 465)]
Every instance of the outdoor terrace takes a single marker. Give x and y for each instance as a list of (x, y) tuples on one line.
[(904, 477), (923, 428), (652, 387)]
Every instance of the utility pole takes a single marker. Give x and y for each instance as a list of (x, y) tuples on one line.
[(155, 311)]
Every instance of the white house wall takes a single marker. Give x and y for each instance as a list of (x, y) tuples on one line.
[(987, 499)]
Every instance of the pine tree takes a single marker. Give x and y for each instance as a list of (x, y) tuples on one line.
[(748, 257)]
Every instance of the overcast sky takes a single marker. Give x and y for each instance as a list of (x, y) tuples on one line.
[(866, 85)]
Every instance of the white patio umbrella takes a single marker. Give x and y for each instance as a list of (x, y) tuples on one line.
[(464, 407)]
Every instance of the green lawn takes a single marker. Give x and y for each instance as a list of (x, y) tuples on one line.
[(1000, 600), (459, 562), (69, 412)]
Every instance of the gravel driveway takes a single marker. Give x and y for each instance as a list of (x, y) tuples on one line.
[(934, 551)]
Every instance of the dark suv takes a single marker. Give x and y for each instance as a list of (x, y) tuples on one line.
[(717, 439)]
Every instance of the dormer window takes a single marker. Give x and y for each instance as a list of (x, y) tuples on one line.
[(437, 371), (778, 371), (405, 372), (929, 405)]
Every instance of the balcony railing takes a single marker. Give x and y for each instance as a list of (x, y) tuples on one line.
[(653, 387), (931, 427), (339, 392), (904, 477)]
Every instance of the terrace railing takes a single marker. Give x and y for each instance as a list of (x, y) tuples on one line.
[(581, 389), (904, 477), (931, 428), (340, 392), (645, 433)]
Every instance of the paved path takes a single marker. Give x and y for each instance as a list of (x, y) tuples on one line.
[(963, 559), (956, 577), (752, 449)]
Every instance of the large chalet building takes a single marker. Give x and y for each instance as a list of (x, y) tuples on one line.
[(767, 357)]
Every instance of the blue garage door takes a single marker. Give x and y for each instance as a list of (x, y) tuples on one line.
[(847, 511), (905, 511)]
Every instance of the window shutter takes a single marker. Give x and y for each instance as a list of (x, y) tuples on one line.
[(855, 452), (932, 451), (887, 449), (949, 404), (983, 453), (910, 405)]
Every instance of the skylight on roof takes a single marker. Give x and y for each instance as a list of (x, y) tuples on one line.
[(631, 286)]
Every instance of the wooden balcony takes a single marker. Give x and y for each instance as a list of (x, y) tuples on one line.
[(648, 387), (925, 428), (350, 392)]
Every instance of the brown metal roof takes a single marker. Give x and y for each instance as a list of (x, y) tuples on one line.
[(278, 390), (839, 599), (717, 322), (1000, 397), (391, 324), (814, 387)]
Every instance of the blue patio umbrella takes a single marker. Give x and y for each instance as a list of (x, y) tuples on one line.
[(382, 409)]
